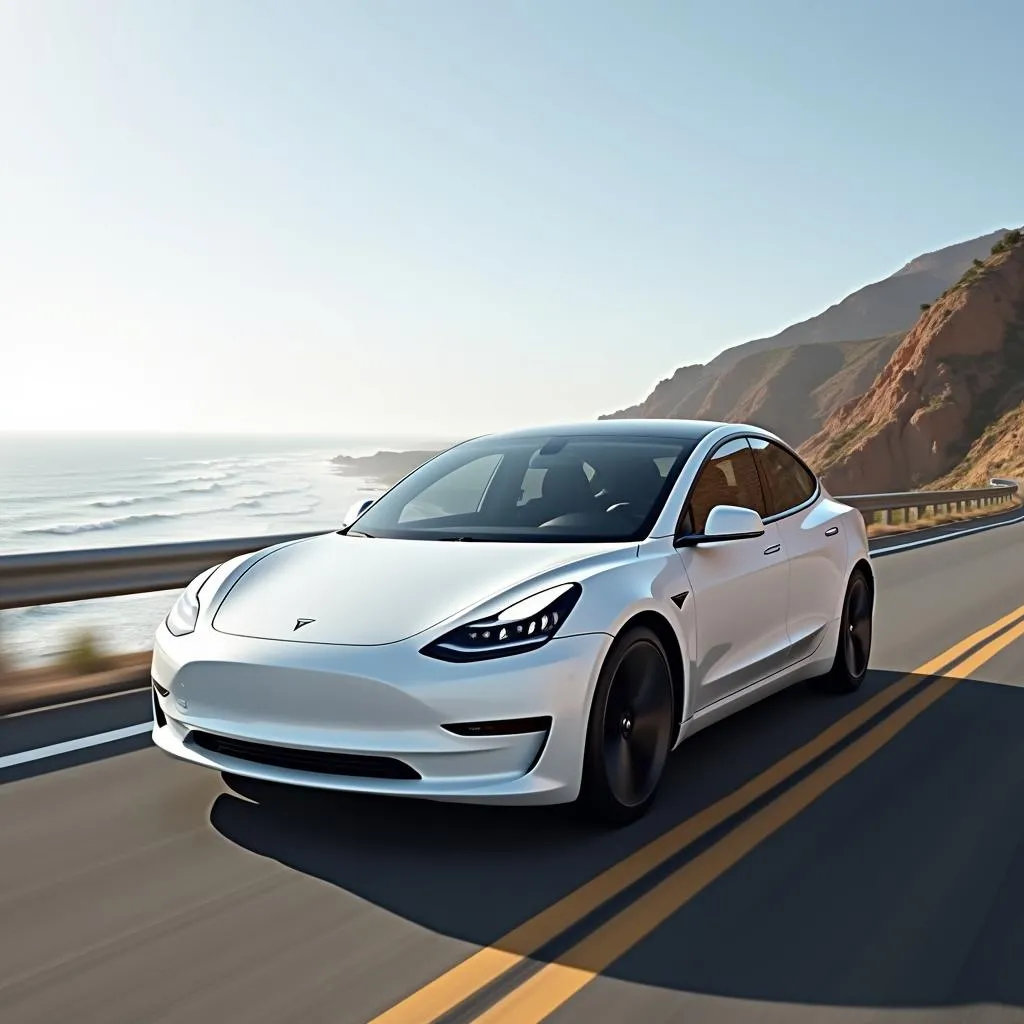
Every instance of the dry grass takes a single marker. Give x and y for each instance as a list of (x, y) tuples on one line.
[(66, 667), (83, 655), (941, 519), (23, 689)]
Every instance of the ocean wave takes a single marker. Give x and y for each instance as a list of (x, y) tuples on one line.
[(279, 492), (255, 502), (179, 464), (68, 529), (39, 611), (290, 512), (116, 502), (203, 489), (192, 479)]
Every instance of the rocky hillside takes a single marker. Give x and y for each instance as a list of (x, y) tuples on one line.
[(788, 390), (882, 311), (884, 307), (999, 452), (384, 469), (947, 405)]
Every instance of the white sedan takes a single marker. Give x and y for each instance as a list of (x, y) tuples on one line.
[(531, 617)]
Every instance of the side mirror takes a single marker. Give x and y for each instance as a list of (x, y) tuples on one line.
[(356, 510), (726, 522)]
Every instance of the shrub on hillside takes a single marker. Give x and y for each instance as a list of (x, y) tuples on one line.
[(84, 654), (1008, 241)]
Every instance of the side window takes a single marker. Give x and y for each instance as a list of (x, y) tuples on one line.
[(457, 493), (789, 483), (729, 478)]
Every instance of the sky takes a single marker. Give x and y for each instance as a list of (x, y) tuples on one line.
[(450, 216)]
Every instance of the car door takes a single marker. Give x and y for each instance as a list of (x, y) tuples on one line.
[(812, 535), (740, 587)]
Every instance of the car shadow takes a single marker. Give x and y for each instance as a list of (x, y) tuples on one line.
[(902, 885)]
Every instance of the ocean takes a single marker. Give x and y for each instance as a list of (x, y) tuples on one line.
[(78, 491)]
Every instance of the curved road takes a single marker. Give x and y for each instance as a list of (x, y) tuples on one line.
[(855, 859)]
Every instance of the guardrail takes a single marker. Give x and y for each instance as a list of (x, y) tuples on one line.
[(998, 492), (52, 577)]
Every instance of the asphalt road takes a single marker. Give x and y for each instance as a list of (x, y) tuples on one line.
[(136, 889)]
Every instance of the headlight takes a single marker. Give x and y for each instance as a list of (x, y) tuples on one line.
[(182, 618), (523, 626)]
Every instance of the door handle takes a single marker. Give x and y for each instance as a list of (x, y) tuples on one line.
[(831, 531), (773, 550)]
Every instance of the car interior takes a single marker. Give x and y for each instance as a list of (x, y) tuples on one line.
[(622, 483), (564, 487)]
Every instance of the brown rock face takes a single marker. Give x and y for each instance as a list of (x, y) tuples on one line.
[(788, 390), (958, 371), (999, 452), (767, 381), (669, 396)]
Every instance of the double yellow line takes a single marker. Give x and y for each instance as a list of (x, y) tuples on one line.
[(542, 993)]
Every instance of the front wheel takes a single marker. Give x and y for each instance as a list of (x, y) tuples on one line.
[(629, 733), (853, 649)]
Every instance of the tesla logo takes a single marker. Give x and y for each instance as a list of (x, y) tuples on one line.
[(299, 623)]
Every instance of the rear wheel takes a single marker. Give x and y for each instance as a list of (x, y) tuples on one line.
[(853, 649), (630, 730)]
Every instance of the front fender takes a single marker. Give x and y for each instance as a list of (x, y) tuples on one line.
[(654, 583)]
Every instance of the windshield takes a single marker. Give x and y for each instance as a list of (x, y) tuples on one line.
[(533, 489)]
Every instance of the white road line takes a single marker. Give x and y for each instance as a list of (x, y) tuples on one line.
[(24, 756), (94, 699), (945, 536)]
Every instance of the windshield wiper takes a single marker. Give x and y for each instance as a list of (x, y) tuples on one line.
[(458, 538), (349, 532)]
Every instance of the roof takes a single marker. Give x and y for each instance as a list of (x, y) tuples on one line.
[(691, 430)]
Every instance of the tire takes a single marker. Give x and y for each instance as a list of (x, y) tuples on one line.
[(853, 649), (629, 732)]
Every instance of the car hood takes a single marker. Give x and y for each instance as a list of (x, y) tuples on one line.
[(366, 591)]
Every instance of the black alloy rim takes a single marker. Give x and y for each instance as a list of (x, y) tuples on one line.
[(637, 724), (857, 641)]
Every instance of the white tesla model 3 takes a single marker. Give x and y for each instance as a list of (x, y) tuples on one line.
[(531, 617)]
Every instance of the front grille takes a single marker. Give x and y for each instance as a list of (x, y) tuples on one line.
[(366, 766)]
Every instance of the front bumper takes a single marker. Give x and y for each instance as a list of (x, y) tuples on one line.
[(307, 706)]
